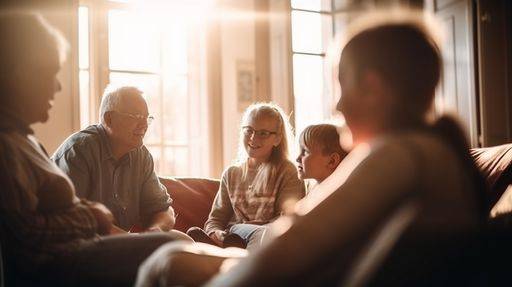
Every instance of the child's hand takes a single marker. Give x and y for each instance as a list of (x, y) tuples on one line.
[(218, 236)]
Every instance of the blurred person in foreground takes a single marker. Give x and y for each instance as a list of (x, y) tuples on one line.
[(403, 166), (48, 235)]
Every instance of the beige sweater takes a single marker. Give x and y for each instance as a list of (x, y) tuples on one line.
[(237, 202)]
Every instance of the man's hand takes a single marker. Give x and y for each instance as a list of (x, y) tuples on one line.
[(153, 229), (161, 221), (218, 236), (117, 230), (103, 216)]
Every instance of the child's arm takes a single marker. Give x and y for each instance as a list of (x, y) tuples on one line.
[(222, 210), (291, 189)]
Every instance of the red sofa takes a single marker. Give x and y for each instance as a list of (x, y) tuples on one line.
[(193, 197)]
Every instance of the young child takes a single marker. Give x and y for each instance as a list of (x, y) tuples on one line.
[(253, 191), (320, 152)]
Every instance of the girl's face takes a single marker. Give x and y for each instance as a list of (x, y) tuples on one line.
[(312, 163), (260, 136)]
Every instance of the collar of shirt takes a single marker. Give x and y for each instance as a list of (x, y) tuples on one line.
[(106, 149), (9, 122)]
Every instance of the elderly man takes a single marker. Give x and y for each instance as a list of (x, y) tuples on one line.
[(109, 163), (47, 234)]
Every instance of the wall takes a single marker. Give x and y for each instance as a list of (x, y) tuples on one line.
[(237, 36)]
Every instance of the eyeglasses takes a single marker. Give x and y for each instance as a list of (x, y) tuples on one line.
[(138, 117), (263, 134)]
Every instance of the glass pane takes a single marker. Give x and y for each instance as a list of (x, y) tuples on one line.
[(134, 42), (175, 110), (310, 32), (83, 37), (341, 22), (156, 153), (313, 5), (174, 45), (176, 161), (85, 96), (150, 85), (308, 89)]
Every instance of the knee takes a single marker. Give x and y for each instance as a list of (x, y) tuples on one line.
[(156, 269), (178, 235), (179, 263)]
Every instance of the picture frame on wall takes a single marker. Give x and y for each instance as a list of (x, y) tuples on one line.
[(246, 83)]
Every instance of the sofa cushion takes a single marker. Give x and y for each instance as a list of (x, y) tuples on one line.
[(495, 165), (192, 199)]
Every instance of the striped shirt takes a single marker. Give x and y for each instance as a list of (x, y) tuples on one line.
[(40, 216), (237, 202)]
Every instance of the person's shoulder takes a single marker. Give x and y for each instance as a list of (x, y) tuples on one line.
[(84, 140), (427, 142), (287, 167), (416, 145), (232, 171), (141, 155)]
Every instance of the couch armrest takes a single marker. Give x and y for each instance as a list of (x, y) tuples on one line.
[(192, 199)]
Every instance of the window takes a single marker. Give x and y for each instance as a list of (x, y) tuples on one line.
[(140, 45), (314, 23)]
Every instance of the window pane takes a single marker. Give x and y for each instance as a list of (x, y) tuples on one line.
[(174, 45), (308, 89), (83, 37), (310, 32), (133, 42), (314, 5), (156, 153), (84, 98), (349, 4), (175, 161), (341, 21), (150, 85), (176, 110)]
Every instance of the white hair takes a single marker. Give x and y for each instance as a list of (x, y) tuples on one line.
[(112, 98)]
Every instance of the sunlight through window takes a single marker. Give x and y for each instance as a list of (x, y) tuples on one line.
[(151, 50)]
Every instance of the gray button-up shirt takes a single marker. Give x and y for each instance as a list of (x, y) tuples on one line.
[(129, 186)]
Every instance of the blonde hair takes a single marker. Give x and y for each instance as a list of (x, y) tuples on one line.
[(267, 171), (325, 135)]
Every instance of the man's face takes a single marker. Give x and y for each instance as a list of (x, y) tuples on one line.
[(350, 104), (37, 85), (362, 102), (126, 129), (313, 163)]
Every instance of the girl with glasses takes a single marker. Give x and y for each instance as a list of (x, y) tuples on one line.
[(254, 190)]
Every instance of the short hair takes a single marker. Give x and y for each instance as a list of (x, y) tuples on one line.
[(402, 48), (112, 98), (324, 135), (25, 38)]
